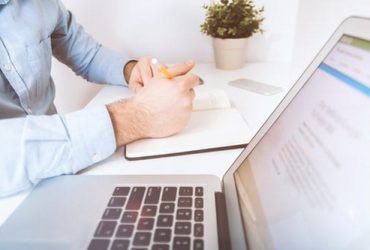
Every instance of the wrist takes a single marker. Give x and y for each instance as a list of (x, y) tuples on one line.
[(127, 125), (127, 69)]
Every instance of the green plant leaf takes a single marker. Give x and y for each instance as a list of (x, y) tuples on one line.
[(232, 19)]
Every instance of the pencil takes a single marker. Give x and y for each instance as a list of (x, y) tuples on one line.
[(165, 72), (162, 68)]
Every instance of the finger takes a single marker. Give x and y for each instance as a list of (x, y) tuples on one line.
[(155, 69), (192, 94), (135, 86), (182, 68), (189, 81), (138, 88), (146, 71)]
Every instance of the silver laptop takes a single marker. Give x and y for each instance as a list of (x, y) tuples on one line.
[(303, 182)]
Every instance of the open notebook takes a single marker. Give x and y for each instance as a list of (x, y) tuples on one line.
[(214, 125)]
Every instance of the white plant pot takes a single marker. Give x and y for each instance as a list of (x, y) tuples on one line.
[(229, 53)]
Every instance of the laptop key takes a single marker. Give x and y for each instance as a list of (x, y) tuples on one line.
[(129, 217), (149, 210), (105, 229), (165, 221), (182, 227), (145, 224), (181, 243), (120, 245), (117, 201), (186, 191), (185, 202), (162, 235), (125, 230), (198, 202), (98, 244), (121, 191), (152, 196), (198, 230), (142, 239), (198, 215), (160, 247), (112, 213), (167, 208), (169, 194), (198, 244), (135, 199), (199, 191), (183, 214)]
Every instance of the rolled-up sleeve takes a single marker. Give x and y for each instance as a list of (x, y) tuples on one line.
[(84, 55), (38, 147)]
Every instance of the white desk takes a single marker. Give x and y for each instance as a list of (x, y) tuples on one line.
[(255, 109)]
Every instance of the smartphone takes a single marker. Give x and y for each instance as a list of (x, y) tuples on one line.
[(257, 87)]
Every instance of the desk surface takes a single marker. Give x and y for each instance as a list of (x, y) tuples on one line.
[(254, 108)]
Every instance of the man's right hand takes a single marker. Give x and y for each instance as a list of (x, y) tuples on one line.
[(161, 108)]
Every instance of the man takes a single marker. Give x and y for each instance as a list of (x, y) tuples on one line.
[(36, 142)]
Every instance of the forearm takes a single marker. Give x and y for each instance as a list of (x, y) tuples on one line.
[(127, 121), (38, 147), (107, 67)]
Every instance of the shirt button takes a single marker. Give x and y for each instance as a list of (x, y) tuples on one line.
[(96, 158), (7, 67)]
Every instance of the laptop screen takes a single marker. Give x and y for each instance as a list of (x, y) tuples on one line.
[(307, 182)]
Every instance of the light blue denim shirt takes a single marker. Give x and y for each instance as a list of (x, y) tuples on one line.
[(35, 142)]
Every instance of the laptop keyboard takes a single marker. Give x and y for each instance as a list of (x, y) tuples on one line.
[(157, 218)]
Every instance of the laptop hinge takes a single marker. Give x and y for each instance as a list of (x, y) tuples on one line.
[(222, 222)]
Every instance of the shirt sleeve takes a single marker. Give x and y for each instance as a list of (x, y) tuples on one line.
[(38, 147), (85, 56)]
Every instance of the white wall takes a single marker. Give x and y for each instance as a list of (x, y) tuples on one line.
[(316, 22), (169, 30)]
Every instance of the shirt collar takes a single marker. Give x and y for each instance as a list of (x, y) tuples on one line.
[(3, 2)]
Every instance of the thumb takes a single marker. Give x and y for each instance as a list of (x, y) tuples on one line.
[(182, 68)]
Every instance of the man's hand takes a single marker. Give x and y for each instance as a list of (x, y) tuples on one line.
[(144, 71), (161, 108)]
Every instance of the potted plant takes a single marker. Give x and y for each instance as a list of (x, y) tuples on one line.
[(230, 23)]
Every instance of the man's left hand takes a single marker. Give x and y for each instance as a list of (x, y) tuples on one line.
[(144, 71)]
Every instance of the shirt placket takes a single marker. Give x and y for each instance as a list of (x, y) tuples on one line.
[(11, 74)]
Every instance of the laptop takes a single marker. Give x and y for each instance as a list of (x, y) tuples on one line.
[(303, 182)]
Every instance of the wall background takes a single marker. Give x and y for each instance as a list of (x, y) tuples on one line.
[(169, 30), (317, 20)]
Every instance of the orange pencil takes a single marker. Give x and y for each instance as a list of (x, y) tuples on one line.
[(165, 72), (162, 68)]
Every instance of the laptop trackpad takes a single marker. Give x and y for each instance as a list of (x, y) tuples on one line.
[(36, 245), (70, 215)]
